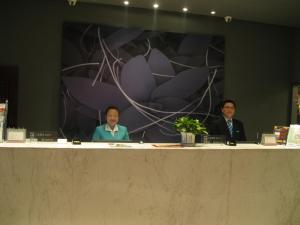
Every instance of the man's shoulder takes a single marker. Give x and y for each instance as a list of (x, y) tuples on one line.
[(219, 120), (216, 124), (236, 121)]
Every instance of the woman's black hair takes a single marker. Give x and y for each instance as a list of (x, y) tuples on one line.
[(228, 101), (111, 107)]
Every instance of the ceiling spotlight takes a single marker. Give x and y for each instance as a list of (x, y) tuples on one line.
[(72, 2), (185, 9), (228, 19), (155, 6), (126, 2), (213, 12)]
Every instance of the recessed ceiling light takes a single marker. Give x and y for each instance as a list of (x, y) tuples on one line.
[(126, 2), (213, 12), (185, 9), (155, 6)]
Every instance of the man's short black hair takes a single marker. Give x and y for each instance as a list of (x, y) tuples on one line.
[(111, 107), (228, 101)]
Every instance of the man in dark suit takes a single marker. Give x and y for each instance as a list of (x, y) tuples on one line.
[(232, 129)]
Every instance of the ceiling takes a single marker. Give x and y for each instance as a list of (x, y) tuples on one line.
[(278, 12)]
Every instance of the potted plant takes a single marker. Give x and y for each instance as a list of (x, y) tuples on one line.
[(189, 128)]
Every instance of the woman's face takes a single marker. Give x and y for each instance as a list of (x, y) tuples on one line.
[(112, 117)]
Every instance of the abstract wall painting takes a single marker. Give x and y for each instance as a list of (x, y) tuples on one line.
[(153, 77)]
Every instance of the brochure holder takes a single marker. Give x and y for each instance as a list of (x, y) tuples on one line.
[(294, 136), (3, 120)]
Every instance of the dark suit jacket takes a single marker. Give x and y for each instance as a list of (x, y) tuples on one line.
[(219, 127)]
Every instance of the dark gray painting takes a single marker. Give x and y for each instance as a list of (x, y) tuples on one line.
[(153, 77)]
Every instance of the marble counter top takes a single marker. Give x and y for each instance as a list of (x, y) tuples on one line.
[(138, 146), (140, 184)]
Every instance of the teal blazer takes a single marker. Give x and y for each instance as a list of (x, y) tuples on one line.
[(102, 134)]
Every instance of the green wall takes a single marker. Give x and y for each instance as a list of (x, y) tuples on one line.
[(258, 64)]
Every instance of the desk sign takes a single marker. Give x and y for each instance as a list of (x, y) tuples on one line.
[(294, 135), (281, 133), (46, 136), (3, 114), (1, 129), (268, 139), (62, 141), (16, 135)]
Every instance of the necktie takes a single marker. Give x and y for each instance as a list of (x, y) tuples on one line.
[(230, 127)]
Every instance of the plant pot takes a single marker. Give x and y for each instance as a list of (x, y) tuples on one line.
[(187, 139)]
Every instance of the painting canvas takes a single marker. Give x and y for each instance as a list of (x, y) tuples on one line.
[(153, 77)]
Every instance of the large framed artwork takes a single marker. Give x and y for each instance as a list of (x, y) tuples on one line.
[(153, 77)]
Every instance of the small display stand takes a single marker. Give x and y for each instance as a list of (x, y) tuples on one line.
[(16, 135), (281, 133), (44, 136), (3, 119), (294, 135), (268, 139)]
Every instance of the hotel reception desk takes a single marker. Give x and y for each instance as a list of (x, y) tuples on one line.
[(146, 184)]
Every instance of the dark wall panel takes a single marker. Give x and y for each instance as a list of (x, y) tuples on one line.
[(258, 57), (9, 91)]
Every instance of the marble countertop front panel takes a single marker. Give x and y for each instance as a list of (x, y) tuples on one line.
[(140, 184)]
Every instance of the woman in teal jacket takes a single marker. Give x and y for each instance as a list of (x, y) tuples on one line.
[(111, 130)]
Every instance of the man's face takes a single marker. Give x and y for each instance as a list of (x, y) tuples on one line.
[(228, 110), (112, 117)]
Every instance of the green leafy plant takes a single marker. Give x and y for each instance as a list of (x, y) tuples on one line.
[(189, 125)]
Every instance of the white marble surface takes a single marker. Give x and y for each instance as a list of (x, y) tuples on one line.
[(56, 184), (136, 146)]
